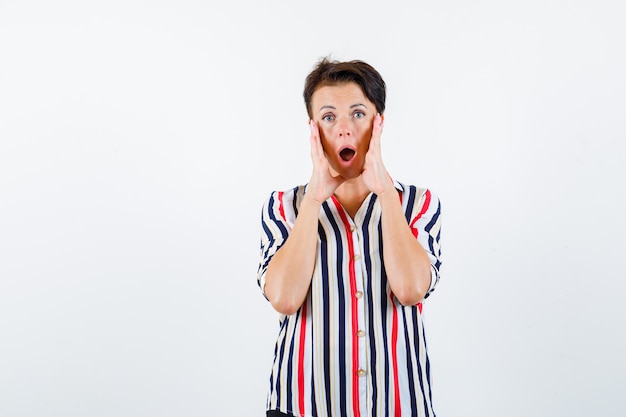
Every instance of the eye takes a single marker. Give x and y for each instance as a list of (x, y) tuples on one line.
[(358, 114), (328, 118)]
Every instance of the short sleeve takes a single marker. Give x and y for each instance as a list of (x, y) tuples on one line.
[(275, 230), (426, 227)]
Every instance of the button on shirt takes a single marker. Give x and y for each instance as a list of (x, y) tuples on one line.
[(351, 349)]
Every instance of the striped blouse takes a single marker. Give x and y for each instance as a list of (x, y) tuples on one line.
[(351, 349)]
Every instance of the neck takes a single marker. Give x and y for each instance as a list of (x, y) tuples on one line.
[(351, 194)]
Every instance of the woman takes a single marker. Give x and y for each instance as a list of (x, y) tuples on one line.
[(347, 260)]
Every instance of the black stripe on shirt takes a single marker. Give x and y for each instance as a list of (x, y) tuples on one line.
[(325, 313)]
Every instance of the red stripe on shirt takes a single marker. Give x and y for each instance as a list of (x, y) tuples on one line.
[(421, 213), (414, 229), (301, 359), (281, 209), (394, 359), (354, 310)]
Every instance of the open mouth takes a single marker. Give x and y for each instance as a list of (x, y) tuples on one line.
[(347, 154)]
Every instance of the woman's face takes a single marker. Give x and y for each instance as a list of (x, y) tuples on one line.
[(344, 116)]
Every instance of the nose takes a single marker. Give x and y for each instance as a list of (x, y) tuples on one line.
[(344, 127), (344, 132)]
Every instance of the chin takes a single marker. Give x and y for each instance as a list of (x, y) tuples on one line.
[(350, 173)]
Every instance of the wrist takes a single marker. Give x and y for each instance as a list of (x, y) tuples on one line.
[(309, 200), (389, 188), (388, 194)]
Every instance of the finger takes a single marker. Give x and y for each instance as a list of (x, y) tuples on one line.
[(315, 141), (320, 159), (374, 146), (376, 134), (377, 129)]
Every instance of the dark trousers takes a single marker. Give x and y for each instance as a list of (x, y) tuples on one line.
[(274, 413)]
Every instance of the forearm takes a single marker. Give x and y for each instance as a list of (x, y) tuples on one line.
[(289, 273), (406, 262)]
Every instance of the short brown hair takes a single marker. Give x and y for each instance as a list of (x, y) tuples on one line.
[(328, 72)]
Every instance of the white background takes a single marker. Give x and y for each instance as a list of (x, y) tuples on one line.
[(139, 139)]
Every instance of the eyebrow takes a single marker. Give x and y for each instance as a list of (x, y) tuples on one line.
[(334, 108)]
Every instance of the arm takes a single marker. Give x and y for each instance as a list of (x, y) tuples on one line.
[(407, 264), (289, 273)]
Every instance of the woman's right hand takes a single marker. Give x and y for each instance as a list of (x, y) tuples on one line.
[(322, 184)]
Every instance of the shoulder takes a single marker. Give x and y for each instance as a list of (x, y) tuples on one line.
[(284, 204), (281, 196), (417, 195)]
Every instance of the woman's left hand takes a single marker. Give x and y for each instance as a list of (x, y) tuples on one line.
[(374, 173)]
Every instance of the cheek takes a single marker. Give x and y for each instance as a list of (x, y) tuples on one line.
[(365, 136), (325, 130), (325, 136), (365, 126)]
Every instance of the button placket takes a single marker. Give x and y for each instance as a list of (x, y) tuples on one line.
[(359, 294)]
